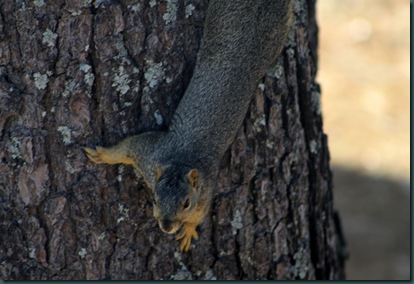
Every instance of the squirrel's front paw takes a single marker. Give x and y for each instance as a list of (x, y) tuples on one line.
[(187, 233), (97, 156)]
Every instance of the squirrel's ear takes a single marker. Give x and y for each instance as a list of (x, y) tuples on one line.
[(158, 172), (193, 178)]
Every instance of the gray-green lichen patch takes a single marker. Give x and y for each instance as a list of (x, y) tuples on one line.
[(237, 222), (152, 3), (76, 13), (145, 91), (290, 113), (298, 6), (313, 147), (270, 144), (276, 71), (183, 273), (124, 213), (23, 7), (97, 3), (14, 149), (89, 76), (224, 253), (66, 134), (73, 166), (86, 3), (82, 253), (259, 122), (171, 13), (154, 74), (121, 80), (32, 252), (189, 10), (84, 67), (290, 52), (40, 80), (69, 168), (135, 7), (102, 236), (39, 3), (120, 171), (49, 38), (122, 52), (301, 267), (115, 107), (261, 86), (158, 117), (209, 275)]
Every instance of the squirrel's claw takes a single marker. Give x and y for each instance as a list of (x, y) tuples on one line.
[(187, 233), (95, 155)]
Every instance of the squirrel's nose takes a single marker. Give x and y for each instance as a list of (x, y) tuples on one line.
[(167, 225)]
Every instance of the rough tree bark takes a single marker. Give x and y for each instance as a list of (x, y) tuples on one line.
[(81, 73)]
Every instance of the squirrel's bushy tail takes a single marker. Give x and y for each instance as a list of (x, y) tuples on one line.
[(242, 38), (245, 33)]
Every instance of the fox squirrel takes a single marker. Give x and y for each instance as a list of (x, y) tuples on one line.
[(242, 38)]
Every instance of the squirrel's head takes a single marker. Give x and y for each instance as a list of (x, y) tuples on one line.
[(176, 195)]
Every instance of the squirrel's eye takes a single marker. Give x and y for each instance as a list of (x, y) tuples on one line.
[(187, 203)]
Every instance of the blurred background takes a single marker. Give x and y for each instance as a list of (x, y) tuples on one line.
[(364, 72)]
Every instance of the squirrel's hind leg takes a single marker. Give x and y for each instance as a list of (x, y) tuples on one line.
[(113, 155), (137, 150)]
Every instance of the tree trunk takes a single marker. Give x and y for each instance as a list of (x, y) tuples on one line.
[(83, 73)]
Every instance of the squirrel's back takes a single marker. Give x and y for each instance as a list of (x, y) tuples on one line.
[(241, 41)]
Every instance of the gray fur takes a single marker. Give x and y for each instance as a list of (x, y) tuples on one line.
[(242, 39)]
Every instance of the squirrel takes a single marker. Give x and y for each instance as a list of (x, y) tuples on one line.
[(241, 40)]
